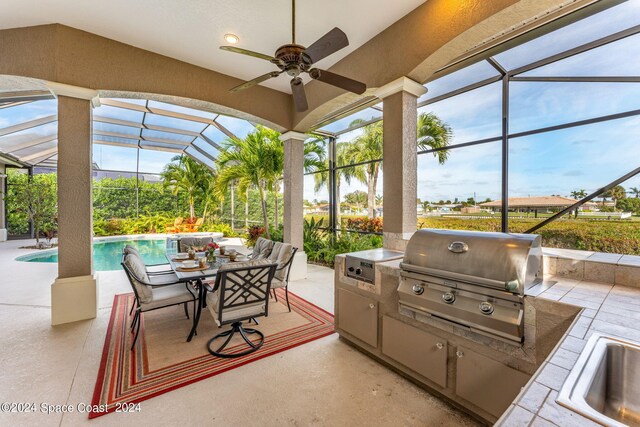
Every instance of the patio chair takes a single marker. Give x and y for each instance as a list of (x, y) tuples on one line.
[(154, 292), (282, 254), (151, 269), (176, 226), (241, 292), (185, 243), (261, 249), (193, 228)]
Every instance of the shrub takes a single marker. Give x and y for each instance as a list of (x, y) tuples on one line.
[(277, 234), (253, 233), (371, 225), (219, 227)]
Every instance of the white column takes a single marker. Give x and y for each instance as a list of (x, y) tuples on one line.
[(293, 199), (3, 225), (400, 160), (74, 294)]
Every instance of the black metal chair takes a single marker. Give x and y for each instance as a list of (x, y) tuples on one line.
[(241, 292), (154, 292), (164, 268), (282, 254)]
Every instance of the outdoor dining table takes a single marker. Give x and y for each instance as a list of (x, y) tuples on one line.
[(197, 278)]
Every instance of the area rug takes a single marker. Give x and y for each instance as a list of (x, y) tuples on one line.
[(162, 360)]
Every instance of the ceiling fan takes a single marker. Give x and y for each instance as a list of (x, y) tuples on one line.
[(295, 59)]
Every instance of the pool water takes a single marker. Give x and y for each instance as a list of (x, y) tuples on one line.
[(108, 254)]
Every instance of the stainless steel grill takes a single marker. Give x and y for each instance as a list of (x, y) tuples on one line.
[(474, 279)]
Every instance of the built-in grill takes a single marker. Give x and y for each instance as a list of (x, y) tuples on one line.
[(362, 265), (473, 279)]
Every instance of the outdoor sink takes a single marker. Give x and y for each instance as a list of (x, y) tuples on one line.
[(604, 384)]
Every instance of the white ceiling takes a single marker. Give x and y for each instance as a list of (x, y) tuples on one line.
[(192, 30)]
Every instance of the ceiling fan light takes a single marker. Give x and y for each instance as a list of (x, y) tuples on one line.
[(231, 38)]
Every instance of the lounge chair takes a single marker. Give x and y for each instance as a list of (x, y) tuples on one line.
[(176, 227)]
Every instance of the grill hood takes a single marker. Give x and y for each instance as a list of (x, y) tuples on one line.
[(511, 262)]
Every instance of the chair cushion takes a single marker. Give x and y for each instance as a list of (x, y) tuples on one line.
[(280, 255), (128, 249), (277, 283), (168, 295), (186, 243), (140, 278), (229, 314), (262, 248)]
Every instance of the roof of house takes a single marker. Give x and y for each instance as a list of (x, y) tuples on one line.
[(533, 202)]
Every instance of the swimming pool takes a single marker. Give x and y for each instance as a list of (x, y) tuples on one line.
[(107, 254)]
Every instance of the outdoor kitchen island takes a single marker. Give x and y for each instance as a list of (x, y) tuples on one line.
[(477, 371)]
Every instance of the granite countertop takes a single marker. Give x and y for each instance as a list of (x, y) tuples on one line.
[(608, 309)]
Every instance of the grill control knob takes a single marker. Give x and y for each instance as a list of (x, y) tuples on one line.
[(351, 269), (448, 297), (486, 307), (358, 271), (439, 346), (459, 353), (418, 289)]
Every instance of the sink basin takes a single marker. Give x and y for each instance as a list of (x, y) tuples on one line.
[(604, 384)]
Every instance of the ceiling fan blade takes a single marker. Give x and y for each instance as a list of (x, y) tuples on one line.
[(330, 43), (250, 53), (255, 81), (299, 97), (337, 80)]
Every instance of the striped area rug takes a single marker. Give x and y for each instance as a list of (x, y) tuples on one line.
[(163, 361)]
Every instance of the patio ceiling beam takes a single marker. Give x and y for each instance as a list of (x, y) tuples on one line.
[(26, 95), (152, 110), (43, 159), (156, 148), (223, 130), (38, 154), (5, 104), (138, 125), (140, 138), (463, 89), (204, 153), (28, 125), (115, 143), (211, 142), (198, 160), (594, 79), (32, 143), (577, 50)]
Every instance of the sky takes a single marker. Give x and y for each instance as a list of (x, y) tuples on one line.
[(558, 162)]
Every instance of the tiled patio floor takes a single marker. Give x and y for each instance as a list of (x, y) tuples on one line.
[(325, 382)]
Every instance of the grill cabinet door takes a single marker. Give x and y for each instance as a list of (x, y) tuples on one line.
[(486, 383), (358, 316), (418, 350)]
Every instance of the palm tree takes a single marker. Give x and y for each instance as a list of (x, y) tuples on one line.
[(257, 160), (635, 191), (579, 194), (616, 193), (433, 133), (366, 148), (188, 175)]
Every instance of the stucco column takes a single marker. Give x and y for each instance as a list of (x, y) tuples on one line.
[(3, 223), (74, 294), (400, 160), (293, 199)]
